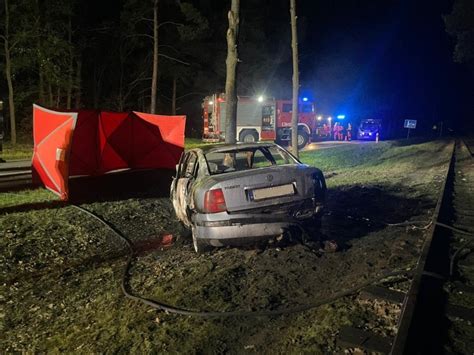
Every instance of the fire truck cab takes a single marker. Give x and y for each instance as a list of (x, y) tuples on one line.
[(306, 121), (258, 119), (255, 119)]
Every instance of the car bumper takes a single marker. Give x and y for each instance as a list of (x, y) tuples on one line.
[(217, 228), (217, 236)]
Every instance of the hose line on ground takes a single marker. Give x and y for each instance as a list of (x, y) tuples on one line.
[(211, 314), (454, 229)]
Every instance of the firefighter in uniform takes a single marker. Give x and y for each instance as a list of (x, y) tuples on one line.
[(349, 132), (335, 130)]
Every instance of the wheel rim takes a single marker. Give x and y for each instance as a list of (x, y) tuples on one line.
[(300, 140), (249, 138)]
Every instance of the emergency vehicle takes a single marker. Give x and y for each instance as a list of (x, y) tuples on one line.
[(258, 119), (369, 129)]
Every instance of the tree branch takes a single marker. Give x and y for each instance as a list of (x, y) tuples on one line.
[(170, 23), (140, 35), (191, 93), (173, 59), (168, 46)]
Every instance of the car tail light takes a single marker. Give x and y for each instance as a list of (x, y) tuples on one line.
[(214, 201)]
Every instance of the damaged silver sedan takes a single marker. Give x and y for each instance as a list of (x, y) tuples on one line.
[(231, 193)]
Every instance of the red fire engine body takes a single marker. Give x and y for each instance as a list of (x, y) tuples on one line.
[(258, 119)]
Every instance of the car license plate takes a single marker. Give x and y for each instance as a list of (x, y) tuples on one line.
[(274, 191)]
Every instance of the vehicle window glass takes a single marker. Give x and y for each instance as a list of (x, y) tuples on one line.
[(369, 126), (281, 157), (260, 160), (244, 159), (287, 108)]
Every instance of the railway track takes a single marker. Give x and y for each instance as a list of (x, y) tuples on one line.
[(439, 297), (15, 175)]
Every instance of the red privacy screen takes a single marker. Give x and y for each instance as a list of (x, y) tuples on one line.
[(92, 142)]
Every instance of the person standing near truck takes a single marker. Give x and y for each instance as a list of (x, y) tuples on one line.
[(335, 131), (349, 132)]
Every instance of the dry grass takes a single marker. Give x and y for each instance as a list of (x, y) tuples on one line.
[(60, 271)]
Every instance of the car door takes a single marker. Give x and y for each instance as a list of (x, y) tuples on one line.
[(185, 177)]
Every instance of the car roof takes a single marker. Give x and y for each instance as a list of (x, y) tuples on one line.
[(212, 148)]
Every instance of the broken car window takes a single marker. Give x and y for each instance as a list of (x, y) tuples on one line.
[(244, 159), (189, 165)]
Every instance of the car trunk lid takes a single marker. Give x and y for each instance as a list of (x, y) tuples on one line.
[(264, 187)]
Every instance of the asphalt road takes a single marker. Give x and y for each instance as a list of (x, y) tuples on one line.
[(332, 144)]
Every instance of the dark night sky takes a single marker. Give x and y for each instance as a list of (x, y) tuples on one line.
[(389, 59)]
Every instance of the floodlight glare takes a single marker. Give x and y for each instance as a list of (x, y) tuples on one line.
[(211, 102), (329, 118), (320, 118), (260, 98), (305, 99), (341, 117)]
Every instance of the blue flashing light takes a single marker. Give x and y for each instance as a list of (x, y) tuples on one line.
[(341, 117), (305, 99)]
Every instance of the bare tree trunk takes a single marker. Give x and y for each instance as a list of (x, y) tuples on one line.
[(121, 95), (154, 79), (41, 95), (294, 47), (51, 98), (8, 74), (231, 69), (41, 86), (97, 92), (78, 81), (58, 97), (173, 98), (70, 69)]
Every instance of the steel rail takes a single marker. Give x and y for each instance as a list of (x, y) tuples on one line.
[(405, 334), (15, 180)]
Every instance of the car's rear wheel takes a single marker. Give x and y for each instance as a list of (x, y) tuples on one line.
[(199, 246)]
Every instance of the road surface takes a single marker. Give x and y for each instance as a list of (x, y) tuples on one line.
[(332, 144)]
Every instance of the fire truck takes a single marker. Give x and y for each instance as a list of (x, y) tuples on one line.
[(259, 119)]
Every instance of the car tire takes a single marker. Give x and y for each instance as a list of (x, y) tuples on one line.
[(248, 136), (200, 247), (303, 139)]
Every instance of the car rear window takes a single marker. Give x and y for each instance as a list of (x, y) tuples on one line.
[(249, 158)]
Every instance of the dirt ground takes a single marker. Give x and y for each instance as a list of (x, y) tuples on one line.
[(66, 297)]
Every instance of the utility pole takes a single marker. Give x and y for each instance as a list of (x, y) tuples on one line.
[(296, 80)]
